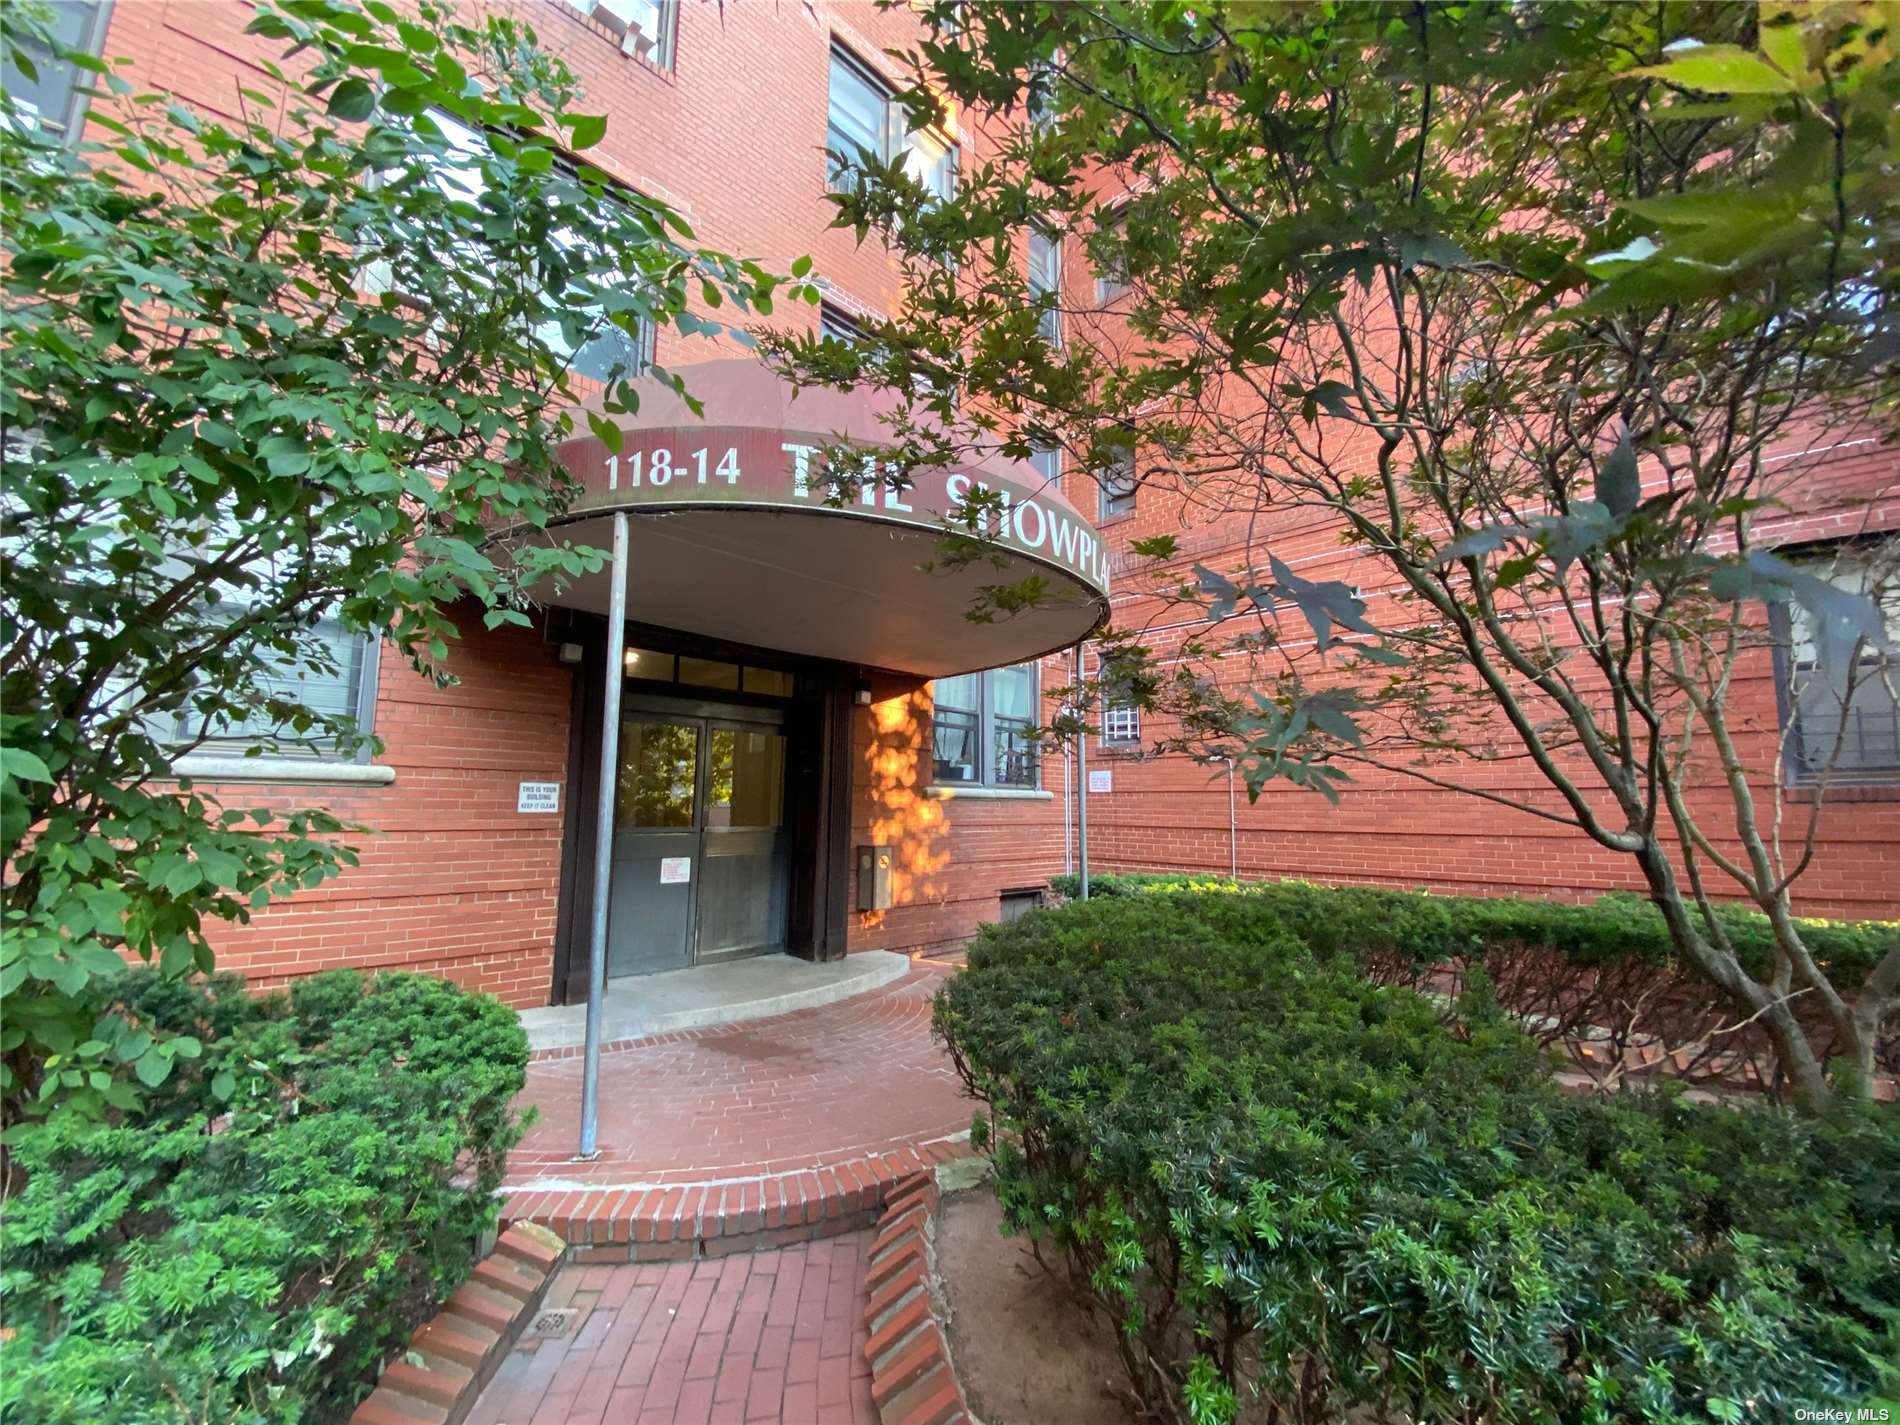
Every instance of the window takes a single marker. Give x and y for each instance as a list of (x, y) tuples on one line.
[(348, 689), (1047, 460), (1118, 487), (862, 114), (54, 94), (981, 728), (1045, 283), (1837, 730), (1017, 904), (1121, 725), (651, 665), (611, 352), (645, 27), (838, 325)]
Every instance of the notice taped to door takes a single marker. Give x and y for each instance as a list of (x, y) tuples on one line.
[(676, 870)]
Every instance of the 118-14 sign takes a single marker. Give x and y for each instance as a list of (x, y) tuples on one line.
[(656, 467)]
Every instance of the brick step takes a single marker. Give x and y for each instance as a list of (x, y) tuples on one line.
[(681, 1221), (391, 1407)]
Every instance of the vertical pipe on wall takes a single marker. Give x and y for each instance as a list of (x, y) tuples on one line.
[(1082, 773), (1233, 827), (604, 840)]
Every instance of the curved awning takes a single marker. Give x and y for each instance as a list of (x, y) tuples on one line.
[(735, 539)]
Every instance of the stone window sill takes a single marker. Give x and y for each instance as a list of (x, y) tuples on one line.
[(1842, 793), (282, 771), (951, 792)]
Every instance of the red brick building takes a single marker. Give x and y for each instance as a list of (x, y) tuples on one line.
[(765, 743)]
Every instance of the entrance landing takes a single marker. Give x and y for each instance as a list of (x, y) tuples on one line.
[(642, 1006), (742, 1136)]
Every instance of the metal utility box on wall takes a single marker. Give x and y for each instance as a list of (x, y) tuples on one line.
[(874, 878)]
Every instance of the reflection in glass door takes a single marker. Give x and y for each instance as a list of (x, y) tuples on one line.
[(744, 848), (701, 854), (656, 842)]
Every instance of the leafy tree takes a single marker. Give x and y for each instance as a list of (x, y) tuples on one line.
[(296, 365), (1515, 297)]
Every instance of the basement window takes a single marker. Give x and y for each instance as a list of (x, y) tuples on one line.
[(1017, 904)]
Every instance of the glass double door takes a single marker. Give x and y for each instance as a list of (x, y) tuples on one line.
[(700, 848)]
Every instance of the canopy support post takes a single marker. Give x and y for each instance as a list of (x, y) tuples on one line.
[(604, 843)]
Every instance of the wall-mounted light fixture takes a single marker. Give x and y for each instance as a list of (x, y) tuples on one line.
[(861, 693), (571, 653)]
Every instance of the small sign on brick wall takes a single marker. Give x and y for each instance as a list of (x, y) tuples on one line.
[(539, 797), (1102, 780)]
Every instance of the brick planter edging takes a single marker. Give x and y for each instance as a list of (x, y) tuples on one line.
[(458, 1350), (912, 1379)]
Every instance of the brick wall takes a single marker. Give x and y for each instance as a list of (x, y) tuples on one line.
[(452, 878), (1167, 813), (455, 881)]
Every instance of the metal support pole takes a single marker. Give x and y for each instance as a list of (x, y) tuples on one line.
[(1082, 773), (1233, 832), (1068, 811), (604, 840)]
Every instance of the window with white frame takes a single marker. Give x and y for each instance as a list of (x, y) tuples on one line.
[(1118, 487), (53, 93), (337, 680), (1842, 725), (644, 27), (1047, 462), (862, 113), (981, 728), (600, 350), (1045, 283), (1121, 725)]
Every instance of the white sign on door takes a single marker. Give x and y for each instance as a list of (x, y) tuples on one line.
[(538, 797), (675, 870), (1101, 781)]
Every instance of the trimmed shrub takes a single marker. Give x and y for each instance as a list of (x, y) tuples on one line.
[(1423, 927), (1303, 1195), (278, 1216), (1600, 982)]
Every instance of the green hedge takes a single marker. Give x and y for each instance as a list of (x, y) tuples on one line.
[(275, 1220), (1423, 927), (1296, 1188)]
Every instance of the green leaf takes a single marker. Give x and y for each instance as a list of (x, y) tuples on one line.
[(19, 765), (588, 130), (605, 431), (153, 1067), (352, 101), (1619, 485), (1720, 69)]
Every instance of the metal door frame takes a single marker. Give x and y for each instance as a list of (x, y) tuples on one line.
[(819, 718), (703, 714), (781, 833)]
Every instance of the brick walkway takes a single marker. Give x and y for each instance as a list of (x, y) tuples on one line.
[(772, 1338), (765, 1130)]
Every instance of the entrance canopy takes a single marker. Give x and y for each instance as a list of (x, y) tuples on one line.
[(735, 537)]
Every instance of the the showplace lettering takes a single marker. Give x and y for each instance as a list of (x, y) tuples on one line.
[(739, 466)]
